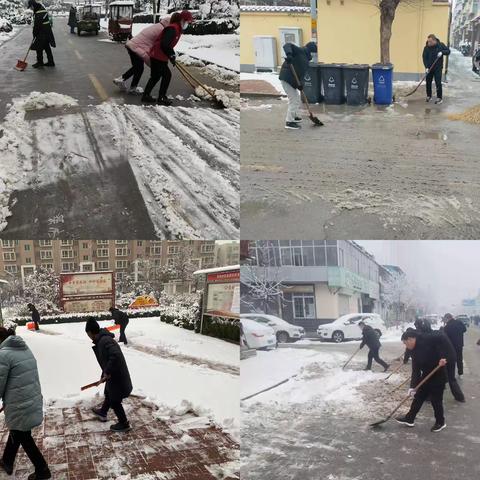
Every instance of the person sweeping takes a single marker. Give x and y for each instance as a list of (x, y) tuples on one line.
[(120, 318), (43, 38), (22, 401), (161, 53), (298, 58), (138, 49), (433, 54), (428, 351), (115, 374)]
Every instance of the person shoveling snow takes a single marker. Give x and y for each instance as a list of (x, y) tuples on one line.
[(114, 372), (370, 338), (433, 54), (291, 76)]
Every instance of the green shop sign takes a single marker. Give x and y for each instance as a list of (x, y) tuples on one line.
[(339, 277)]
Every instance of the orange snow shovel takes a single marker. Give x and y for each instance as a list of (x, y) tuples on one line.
[(91, 385), (111, 328), (22, 64), (426, 379)]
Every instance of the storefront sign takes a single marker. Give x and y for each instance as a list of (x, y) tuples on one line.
[(341, 278), (222, 277)]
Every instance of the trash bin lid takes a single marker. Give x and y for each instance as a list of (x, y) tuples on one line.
[(382, 66), (332, 65), (357, 66)]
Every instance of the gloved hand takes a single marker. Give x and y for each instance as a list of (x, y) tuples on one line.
[(411, 392), (439, 54), (173, 59), (427, 70), (300, 87), (289, 59)]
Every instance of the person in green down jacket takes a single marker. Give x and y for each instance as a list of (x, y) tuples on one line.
[(22, 402)]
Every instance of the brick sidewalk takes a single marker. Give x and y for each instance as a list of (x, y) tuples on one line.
[(79, 447), (258, 87)]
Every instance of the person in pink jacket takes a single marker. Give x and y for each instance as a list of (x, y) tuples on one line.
[(138, 49)]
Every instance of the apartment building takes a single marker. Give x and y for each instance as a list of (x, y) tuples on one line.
[(19, 258), (227, 253)]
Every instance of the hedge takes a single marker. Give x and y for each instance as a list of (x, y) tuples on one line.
[(220, 327)]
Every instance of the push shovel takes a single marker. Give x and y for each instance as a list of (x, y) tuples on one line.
[(351, 358), (426, 379), (22, 64), (423, 78)]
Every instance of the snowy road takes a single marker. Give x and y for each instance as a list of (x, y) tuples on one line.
[(109, 167), (316, 426), (399, 172)]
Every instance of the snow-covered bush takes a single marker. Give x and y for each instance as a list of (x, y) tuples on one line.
[(14, 12)]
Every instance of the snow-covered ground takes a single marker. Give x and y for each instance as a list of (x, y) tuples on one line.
[(66, 362), (271, 78), (185, 160)]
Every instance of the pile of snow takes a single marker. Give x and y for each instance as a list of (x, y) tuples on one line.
[(271, 78), (228, 98), (41, 100), (220, 74)]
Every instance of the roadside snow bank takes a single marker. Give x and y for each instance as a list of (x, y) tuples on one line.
[(228, 98), (41, 100)]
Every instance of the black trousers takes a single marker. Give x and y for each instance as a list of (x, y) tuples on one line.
[(158, 70), (37, 327), (437, 75), (374, 355), (117, 407), (435, 392), (17, 438), (123, 337), (459, 351), (136, 69), (452, 381), (48, 51)]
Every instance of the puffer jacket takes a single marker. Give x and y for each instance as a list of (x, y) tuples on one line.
[(142, 43), (20, 385)]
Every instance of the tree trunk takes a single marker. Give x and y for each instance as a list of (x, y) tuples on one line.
[(387, 16)]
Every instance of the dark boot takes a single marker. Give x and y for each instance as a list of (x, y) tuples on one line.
[(37, 65), (100, 415), (164, 101), (8, 468), (120, 427), (146, 98), (50, 64), (43, 475)]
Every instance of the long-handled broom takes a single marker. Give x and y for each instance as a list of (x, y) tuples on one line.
[(394, 371), (426, 379), (423, 78), (315, 120), (351, 358)]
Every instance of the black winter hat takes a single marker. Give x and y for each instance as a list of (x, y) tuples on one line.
[(311, 47), (92, 326)]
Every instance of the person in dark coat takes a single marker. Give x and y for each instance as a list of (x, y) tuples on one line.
[(43, 39), (114, 372), (433, 54), (476, 62), (72, 19), (429, 350), (299, 58), (422, 325), (454, 329), (370, 338), (120, 318), (35, 315)]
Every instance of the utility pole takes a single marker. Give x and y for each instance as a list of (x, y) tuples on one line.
[(313, 16)]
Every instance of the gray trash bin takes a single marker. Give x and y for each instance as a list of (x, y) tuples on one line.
[(332, 83), (312, 84), (356, 83)]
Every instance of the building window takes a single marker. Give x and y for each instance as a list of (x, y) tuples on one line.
[(173, 249), (120, 242), (341, 257), (121, 252), (11, 268), (85, 258), (26, 247), (104, 265), (45, 243), (121, 263), (85, 245), (303, 305), (139, 243), (119, 275), (207, 248), (68, 267), (48, 266), (102, 252), (102, 242), (46, 255), (156, 250), (8, 243), (86, 267), (28, 260), (66, 243), (9, 256), (67, 253)]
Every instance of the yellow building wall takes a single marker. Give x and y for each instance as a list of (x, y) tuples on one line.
[(350, 33)]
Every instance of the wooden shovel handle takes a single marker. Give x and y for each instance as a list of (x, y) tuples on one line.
[(90, 385)]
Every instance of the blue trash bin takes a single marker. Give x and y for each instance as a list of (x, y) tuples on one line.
[(382, 74)]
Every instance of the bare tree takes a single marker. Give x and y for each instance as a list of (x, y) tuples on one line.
[(388, 9), (399, 295)]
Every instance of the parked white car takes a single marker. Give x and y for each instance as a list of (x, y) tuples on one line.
[(285, 332), (257, 335), (346, 327)]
